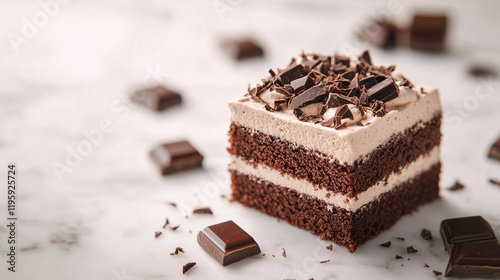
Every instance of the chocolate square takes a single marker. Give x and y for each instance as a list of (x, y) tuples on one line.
[(176, 156), (227, 243), (475, 259), (157, 98), (428, 32), (467, 229)]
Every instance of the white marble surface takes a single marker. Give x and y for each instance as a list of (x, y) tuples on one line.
[(98, 222)]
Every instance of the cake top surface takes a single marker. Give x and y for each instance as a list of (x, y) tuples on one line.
[(333, 90)]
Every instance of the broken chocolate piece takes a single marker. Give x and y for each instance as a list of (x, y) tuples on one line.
[(386, 244), (187, 267), (411, 250), (426, 234), (156, 98), (466, 229), (384, 91), (292, 73), (242, 49), (494, 152), (302, 83), (177, 250), (437, 273), (428, 32), (204, 210), (309, 96), (365, 57), (475, 259), (176, 156), (494, 181), (227, 243), (457, 186), (482, 71)]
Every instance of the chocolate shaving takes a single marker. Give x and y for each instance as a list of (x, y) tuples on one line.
[(457, 186), (324, 261), (157, 234), (426, 265), (494, 181), (284, 252), (177, 250), (437, 273), (386, 244), (398, 257), (344, 112), (175, 227), (411, 250), (166, 223), (187, 267), (204, 210), (378, 108), (400, 238), (426, 234)]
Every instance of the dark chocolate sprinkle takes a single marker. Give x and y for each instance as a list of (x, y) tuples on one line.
[(426, 265), (411, 250), (457, 186), (324, 261), (204, 210), (187, 267), (437, 273), (426, 234), (386, 244), (172, 204), (495, 182)]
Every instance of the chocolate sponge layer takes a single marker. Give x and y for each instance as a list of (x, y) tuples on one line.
[(346, 228), (317, 168)]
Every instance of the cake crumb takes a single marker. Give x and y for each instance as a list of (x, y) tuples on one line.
[(386, 244), (437, 273)]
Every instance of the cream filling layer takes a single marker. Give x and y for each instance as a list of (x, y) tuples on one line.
[(421, 164), (347, 144)]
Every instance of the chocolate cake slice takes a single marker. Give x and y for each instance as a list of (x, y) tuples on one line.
[(337, 146)]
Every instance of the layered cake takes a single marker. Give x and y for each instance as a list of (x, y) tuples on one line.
[(337, 146)]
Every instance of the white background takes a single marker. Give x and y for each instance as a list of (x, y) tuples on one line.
[(75, 68)]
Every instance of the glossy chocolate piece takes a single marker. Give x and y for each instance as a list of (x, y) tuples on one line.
[(242, 49), (176, 156), (384, 91), (156, 98), (475, 259), (467, 229), (227, 243)]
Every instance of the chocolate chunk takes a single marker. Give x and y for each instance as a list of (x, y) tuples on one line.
[(342, 60), (177, 250), (292, 73), (386, 244), (156, 98), (467, 229), (365, 57), (426, 234), (349, 75), (457, 186), (494, 152), (378, 108), (368, 82), (344, 112), (336, 100), (437, 273), (384, 91), (302, 83), (494, 181), (411, 250), (428, 32), (166, 223), (176, 156), (227, 243), (187, 267), (398, 257), (482, 71), (242, 49), (204, 210), (475, 259), (380, 33), (312, 95)]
